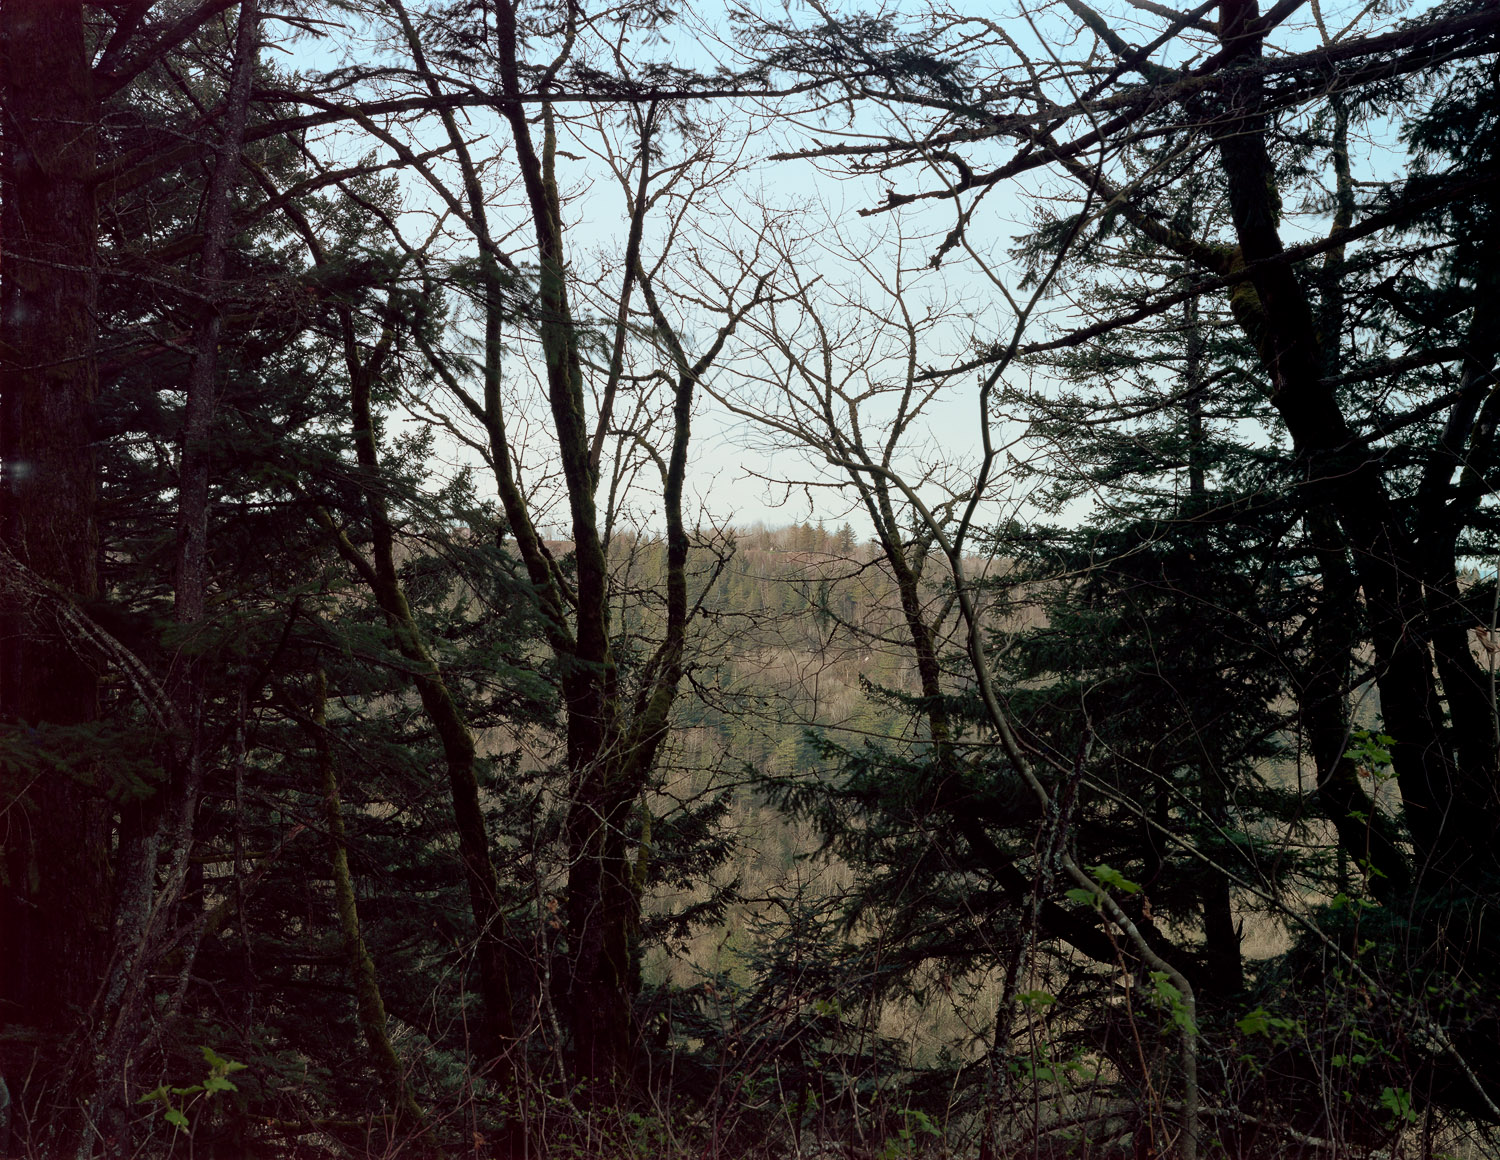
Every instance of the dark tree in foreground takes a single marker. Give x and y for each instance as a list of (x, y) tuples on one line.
[(54, 908), (1331, 544)]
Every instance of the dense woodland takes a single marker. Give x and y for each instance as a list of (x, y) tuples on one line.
[(407, 750)]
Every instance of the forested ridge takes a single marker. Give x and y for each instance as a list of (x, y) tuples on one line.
[(408, 748)]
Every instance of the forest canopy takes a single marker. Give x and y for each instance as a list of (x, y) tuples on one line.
[(409, 746)]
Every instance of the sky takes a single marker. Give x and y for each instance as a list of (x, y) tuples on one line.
[(736, 475)]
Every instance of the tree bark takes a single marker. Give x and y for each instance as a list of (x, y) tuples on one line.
[(608, 756), (611, 738), (369, 1006), (1223, 961), (1338, 469), (54, 912), (1323, 700), (460, 754), (1444, 507), (145, 908)]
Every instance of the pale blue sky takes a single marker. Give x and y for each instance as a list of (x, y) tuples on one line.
[(733, 476)]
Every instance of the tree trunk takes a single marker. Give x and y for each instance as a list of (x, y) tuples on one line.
[(1223, 962), (1339, 470), (369, 1006), (603, 906), (55, 908), (146, 910), (460, 755), (1444, 508)]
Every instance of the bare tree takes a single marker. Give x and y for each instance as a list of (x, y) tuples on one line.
[(839, 375), (1101, 118), (616, 389)]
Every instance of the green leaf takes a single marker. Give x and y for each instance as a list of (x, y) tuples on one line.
[(1037, 998), (1254, 1023), (1168, 996), (1398, 1103), (1166, 990), (217, 1083), (1083, 897), (1109, 876), (1370, 748), (175, 1116)]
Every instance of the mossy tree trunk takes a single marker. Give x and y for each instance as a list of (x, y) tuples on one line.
[(369, 1006), (460, 753)]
